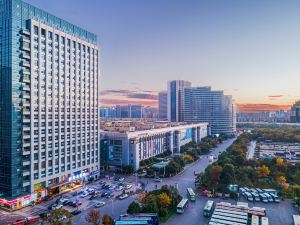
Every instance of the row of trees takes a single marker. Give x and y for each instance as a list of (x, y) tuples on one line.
[(93, 217), (191, 152), (280, 134), (162, 201), (233, 167)]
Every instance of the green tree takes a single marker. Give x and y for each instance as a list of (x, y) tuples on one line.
[(162, 212), (215, 175), (228, 174), (134, 207)]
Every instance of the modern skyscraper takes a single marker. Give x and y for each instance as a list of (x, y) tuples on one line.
[(201, 104), (129, 111), (107, 112), (175, 99), (163, 105), (48, 104), (295, 113)]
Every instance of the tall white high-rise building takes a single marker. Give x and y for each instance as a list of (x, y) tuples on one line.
[(49, 104), (176, 99)]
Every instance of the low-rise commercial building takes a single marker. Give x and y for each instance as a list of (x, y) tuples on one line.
[(287, 151), (129, 145)]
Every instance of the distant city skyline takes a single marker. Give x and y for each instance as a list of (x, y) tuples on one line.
[(249, 49)]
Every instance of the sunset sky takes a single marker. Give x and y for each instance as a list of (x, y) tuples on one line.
[(250, 49)]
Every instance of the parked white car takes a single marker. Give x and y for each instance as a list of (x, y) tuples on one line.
[(63, 200), (119, 188), (84, 194), (123, 196), (90, 190), (99, 204), (128, 186), (58, 206)]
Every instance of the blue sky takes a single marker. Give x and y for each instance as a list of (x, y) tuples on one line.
[(250, 49)]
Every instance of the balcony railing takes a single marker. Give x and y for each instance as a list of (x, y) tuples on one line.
[(26, 173), (26, 183), (25, 39), (25, 56), (25, 64), (26, 162), (26, 144), (25, 32), (25, 71)]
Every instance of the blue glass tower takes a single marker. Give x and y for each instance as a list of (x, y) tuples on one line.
[(48, 104)]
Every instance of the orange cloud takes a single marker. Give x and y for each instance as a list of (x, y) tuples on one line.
[(261, 107), (113, 102)]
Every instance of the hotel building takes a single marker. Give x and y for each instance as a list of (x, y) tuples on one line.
[(48, 104)]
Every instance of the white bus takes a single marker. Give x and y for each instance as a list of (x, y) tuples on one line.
[(230, 215), (263, 198), (230, 219), (232, 212), (209, 208), (275, 198), (296, 219), (191, 194), (255, 196), (182, 205), (225, 222), (248, 196), (255, 220), (270, 199)]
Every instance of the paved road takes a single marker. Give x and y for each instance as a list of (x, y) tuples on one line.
[(279, 214), (184, 180)]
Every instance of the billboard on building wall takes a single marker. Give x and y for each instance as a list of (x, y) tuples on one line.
[(186, 134)]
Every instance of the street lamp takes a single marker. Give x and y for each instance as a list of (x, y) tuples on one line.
[(112, 207)]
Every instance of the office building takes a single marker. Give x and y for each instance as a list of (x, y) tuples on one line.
[(201, 104), (108, 112), (295, 113), (127, 142), (150, 112), (129, 111), (48, 104), (175, 99), (163, 105), (278, 116)]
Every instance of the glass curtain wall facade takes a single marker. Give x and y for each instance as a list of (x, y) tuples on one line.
[(49, 101), (201, 104), (175, 99), (163, 105)]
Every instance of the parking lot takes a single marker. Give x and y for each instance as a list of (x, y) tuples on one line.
[(94, 195), (278, 213)]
